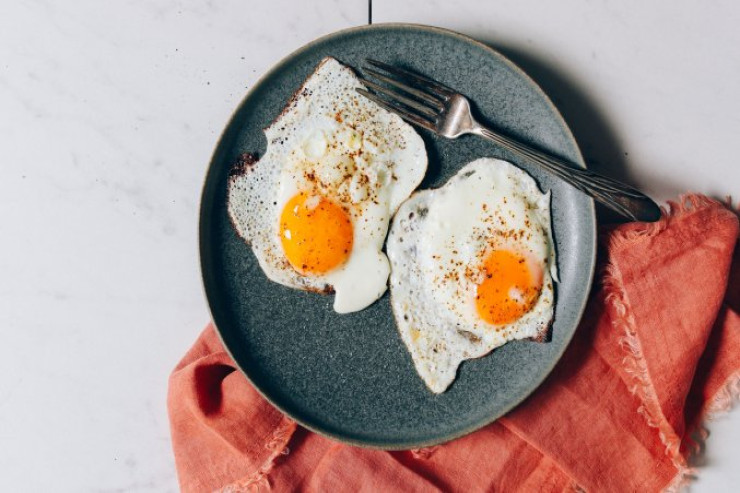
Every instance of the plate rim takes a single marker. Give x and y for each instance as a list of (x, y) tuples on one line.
[(204, 209)]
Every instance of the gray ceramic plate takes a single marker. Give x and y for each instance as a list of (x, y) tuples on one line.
[(349, 376)]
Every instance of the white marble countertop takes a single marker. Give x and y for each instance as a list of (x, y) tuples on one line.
[(109, 112)]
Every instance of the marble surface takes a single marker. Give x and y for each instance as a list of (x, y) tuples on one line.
[(108, 115)]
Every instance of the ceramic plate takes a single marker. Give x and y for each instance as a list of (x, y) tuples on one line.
[(349, 376)]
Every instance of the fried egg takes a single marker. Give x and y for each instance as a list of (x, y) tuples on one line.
[(472, 267), (317, 206)]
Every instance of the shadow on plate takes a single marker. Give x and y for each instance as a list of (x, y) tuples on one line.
[(597, 139)]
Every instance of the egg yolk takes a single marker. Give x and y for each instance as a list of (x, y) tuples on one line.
[(316, 234), (509, 288)]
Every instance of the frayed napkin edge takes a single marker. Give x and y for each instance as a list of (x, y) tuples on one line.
[(634, 361)]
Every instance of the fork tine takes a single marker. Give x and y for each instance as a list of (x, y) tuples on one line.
[(433, 86), (399, 110), (426, 97), (394, 95)]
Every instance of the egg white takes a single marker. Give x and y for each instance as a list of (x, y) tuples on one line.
[(437, 237), (331, 141)]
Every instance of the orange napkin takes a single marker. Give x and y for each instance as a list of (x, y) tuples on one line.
[(658, 351)]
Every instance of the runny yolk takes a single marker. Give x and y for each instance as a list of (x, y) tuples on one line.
[(316, 234), (509, 288)]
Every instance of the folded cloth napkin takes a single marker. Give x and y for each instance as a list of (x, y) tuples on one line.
[(657, 353)]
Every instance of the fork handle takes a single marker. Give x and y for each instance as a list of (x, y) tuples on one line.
[(617, 196)]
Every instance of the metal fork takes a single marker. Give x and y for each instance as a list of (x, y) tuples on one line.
[(434, 106)]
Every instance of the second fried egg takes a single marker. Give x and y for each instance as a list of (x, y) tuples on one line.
[(472, 267)]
